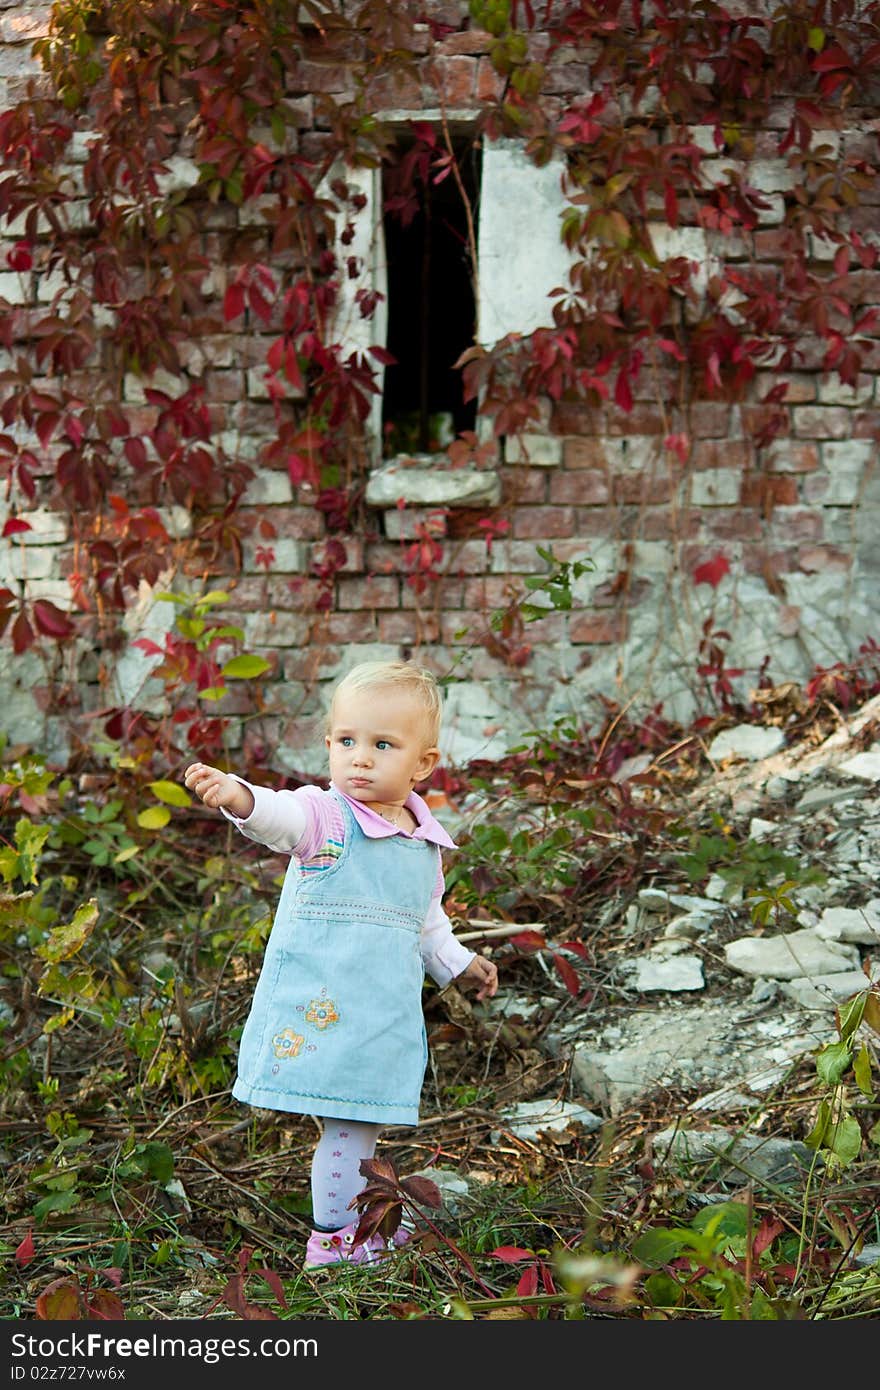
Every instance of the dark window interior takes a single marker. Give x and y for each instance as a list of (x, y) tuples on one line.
[(431, 313)]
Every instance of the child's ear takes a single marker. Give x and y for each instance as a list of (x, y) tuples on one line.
[(428, 761)]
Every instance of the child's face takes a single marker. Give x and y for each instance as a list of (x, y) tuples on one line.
[(378, 745)]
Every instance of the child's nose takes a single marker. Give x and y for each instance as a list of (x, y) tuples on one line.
[(361, 757)]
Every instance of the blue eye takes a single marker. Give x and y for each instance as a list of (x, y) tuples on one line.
[(383, 743), (346, 742)]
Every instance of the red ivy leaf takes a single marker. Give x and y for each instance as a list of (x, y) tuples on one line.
[(233, 302), (14, 525), (22, 634), (568, 973), (528, 1283), (713, 571), (511, 1254), (528, 941), (135, 452), (50, 620), (60, 1302), (20, 257), (106, 1306), (422, 1190), (25, 1252), (623, 393), (274, 1283)]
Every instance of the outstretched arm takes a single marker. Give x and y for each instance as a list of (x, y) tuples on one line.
[(218, 790)]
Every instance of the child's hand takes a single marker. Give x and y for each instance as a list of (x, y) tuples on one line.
[(218, 789), (481, 972)]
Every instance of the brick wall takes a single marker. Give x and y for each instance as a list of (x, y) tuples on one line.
[(798, 528)]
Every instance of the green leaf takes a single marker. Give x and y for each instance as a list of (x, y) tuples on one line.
[(862, 1070), (65, 940), (850, 1015), (659, 1245), (816, 39), (154, 818), (816, 1137), (728, 1218), (663, 1290), (213, 692), (56, 1201), (155, 1159), (244, 667), (833, 1062), (170, 792), (846, 1140)]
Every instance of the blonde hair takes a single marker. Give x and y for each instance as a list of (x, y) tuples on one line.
[(403, 675)]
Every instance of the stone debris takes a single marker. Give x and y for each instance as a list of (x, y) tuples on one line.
[(737, 1160), (790, 955), (530, 1118), (679, 1020), (752, 741)]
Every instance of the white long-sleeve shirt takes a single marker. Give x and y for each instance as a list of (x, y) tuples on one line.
[(307, 824)]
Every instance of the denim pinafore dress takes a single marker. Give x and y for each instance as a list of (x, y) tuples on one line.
[(336, 1025)]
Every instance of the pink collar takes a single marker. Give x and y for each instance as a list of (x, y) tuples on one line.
[(375, 827)]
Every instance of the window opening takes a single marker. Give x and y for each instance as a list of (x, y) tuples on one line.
[(431, 306)]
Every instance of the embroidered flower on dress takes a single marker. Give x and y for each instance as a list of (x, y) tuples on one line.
[(287, 1043), (321, 1013)]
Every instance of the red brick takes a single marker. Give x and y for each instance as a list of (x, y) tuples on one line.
[(663, 523), (224, 386), (765, 491), (706, 420), (490, 84), (462, 627), (392, 89), (306, 665), (610, 595), (772, 243), (454, 78), (866, 424), (411, 627), (495, 591), (369, 591), (771, 565), (525, 485), (758, 419), (731, 453), (642, 419), (584, 487), (446, 593), (799, 525), (821, 558), (732, 523), (638, 487), (472, 41), (785, 456), (585, 453), (594, 521), (295, 523), (550, 630), (599, 630), (544, 522), (347, 627), (822, 422)]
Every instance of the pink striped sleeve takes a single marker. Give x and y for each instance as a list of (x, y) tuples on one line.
[(323, 822)]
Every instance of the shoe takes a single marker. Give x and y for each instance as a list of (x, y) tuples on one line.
[(337, 1247)]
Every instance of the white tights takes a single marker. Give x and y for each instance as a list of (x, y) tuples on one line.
[(336, 1175)]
